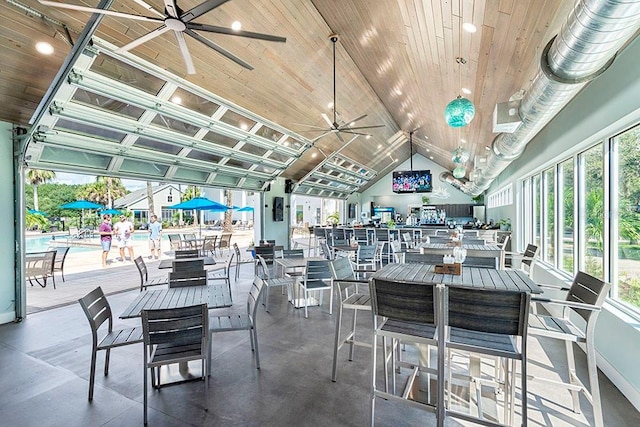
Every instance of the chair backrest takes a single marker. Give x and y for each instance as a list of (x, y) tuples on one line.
[(179, 279), (265, 252), (225, 240), (366, 253), (97, 309), (338, 234), (227, 265), (409, 302), (317, 271), (49, 262), (342, 269), (442, 233), (186, 253), (262, 263), (502, 241), (416, 257), (488, 310), (209, 243), (528, 257), (61, 254), (406, 237), (278, 251), (325, 251), (174, 240), (236, 250), (293, 253), (188, 264), (382, 234), (182, 327), (587, 289), (142, 269), (361, 235), (340, 242), (255, 294), (188, 236)]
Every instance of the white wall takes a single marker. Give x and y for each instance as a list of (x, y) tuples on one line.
[(609, 104), (7, 245)]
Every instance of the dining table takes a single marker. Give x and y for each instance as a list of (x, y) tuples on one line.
[(168, 262), (474, 251)]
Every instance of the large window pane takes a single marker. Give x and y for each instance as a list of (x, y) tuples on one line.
[(592, 244), (565, 205), (627, 278), (535, 200), (549, 216)]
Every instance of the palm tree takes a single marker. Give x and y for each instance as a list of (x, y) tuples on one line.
[(37, 177), (114, 187), (227, 224), (152, 208)]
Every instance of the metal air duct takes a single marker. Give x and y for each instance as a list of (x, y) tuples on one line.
[(584, 49), (448, 178)]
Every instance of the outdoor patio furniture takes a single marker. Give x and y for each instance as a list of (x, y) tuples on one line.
[(224, 242), (223, 273), (39, 267), (144, 275), (97, 309), (316, 278), (240, 260), (270, 282), (61, 255), (184, 278), (187, 253)]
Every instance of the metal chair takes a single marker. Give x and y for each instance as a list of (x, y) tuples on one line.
[(188, 264), (527, 258), (325, 251), (223, 273), (61, 255), (267, 253), (175, 241), (187, 253), (176, 335), (144, 275), (97, 309), (209, 245), (241, 322), (349, 298), (365, 256), (493, 323), (224, 242), (361, 236), (182, 278), (317, 278), (584, 299), (502, 241), (39, 267), (269, 282), (403, 312), (240, 260)]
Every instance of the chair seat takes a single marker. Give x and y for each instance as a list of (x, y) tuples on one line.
[(279, 281), (555, 327), (401, 328), (120, 337), (316, 284), (229, 323), (156, 282), (175, 353), (358, 302), (500, 343)]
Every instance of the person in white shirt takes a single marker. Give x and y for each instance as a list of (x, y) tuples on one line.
[(123, 230)]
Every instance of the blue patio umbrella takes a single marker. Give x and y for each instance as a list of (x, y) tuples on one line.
[(245, 209), (110, 212), (201, 204), (81, 205), (37, 212)]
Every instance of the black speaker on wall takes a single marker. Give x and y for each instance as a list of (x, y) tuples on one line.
[(278, 209), (352, 210), (288, 186)]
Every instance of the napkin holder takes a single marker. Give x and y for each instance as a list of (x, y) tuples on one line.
[(454, 269)]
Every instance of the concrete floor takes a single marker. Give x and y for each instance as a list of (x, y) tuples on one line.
[(44, 367)]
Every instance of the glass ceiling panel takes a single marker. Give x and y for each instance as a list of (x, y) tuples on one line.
[(269, 133), (107, 104), (157, 146), (265, 169), (144, 168), (239, 164), (252, 149), (290, 142), (220, 139), (234, 119), (201, 155), (85, 129), (190, 175), (175, 125), (73, 157), (279, 157), (194, 102), (119, 71)]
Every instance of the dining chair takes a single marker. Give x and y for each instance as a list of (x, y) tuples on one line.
[(316, 278), (407, 239), (407, 313), (365, 256), (350, 297), (361, 236), (267, 253), (98, 311), (209, 246), (186, 253), (493, 323), (325, 250), (175, 335), (175, 241), (187, 264), (396, 251), (61, 255), (224, 242), (182, 278), (584, 300), (223, 273), (272, 282), (240, 260), (39, 267), (526, 259), (502, 241), (144, 275), (241, 322)]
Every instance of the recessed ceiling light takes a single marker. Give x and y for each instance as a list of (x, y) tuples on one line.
[(176, 100), (330, 105), (379, 146), (44, 48), (352, 124), (398, 92), (428, 150), (431, 157), (466, 91), (236, 26), (313, 155), (486, 147), (464, 141), (469, 27), (368, 137), (244, 126)]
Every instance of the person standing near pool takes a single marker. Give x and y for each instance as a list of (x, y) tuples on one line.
[(123, 230), (155, 236), (106, 233)]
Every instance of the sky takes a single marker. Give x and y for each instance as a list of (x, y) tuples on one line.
[(74, 178)]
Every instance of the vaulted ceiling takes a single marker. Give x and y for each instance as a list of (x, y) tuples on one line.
[(395, 62)]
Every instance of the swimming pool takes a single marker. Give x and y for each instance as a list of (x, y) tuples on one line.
[(41, 243)]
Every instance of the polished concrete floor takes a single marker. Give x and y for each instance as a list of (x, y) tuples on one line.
[(44, 367)]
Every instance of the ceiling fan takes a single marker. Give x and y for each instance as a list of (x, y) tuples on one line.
[(335, 127), (180, 22)]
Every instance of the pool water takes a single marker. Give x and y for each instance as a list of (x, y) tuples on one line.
[(41, 244)]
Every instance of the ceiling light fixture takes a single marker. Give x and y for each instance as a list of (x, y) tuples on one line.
[(466, 91), (468, 26), (44, 48), (236, 26), (176, 100), (460, 155), (459, 172), (460, 111)]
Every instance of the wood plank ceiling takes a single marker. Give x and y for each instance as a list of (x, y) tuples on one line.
[(396, 62)]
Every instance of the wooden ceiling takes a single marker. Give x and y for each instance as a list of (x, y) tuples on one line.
[(396, 62)]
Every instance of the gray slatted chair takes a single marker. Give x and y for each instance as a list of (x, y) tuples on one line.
[(175, 335), (209, 245), (365, 257), (316, 278), (224, 242), (502, 241), (182, 278), (267, 253), (97, 309), (241, 322), (493, 323), (396, 251), (349, 298), (584, 299), (361, 236), (187, 253), (39, 267), (240, 260), (269, 282), (325, 251), (61, 255), (403, 312), (223, 273), (144, 275), (187, 264), (527, 259), (189, 241), (407, 239), (175, 241)]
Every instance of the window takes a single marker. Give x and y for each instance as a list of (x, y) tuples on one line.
[(548, 200), (170, 198), (591, 238), (535, 202), (502, 197), (566, 252)]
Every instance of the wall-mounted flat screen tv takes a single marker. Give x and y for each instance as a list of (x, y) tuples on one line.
[(412, 181)]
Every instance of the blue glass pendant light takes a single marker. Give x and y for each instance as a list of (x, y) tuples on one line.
[(459, 172), (460, 155), (459, 112)]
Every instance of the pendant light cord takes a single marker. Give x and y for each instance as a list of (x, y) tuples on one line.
[(335, 119)]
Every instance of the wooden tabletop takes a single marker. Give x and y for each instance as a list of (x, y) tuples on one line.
[(168, 262), (296, 262), (472, 250), (215, 296), (512, 280)]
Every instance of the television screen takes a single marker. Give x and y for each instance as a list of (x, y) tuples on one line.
[(412, 181)]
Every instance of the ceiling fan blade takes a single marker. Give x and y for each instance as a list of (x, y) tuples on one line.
[(171, 8), (100, 11), (201, 9), (218, 49), (345, 128), (320, 137), (184, 50), (309, 126), (150, 8), (356, 133), (326, 119), (137, 42), (340, 137), (355, 120), (240, 33)]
